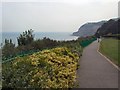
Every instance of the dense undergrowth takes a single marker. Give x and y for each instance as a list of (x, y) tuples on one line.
[(53, 68)]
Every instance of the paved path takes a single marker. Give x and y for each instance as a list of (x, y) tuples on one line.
[(95, 71)]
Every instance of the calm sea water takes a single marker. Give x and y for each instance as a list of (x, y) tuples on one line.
[(38, 35)]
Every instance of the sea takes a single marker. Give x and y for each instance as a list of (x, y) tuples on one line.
[(59, 36)]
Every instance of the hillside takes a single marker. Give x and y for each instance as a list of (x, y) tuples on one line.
[(88, 29), (109, 28)]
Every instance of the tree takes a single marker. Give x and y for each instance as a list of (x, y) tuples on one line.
[(8, 49), (26, 38)]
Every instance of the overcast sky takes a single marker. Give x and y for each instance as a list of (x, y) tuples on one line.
[(54, 15)]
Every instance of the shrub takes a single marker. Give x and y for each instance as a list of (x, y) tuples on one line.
[(53, 68)]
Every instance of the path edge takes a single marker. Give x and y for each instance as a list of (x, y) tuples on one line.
[(107, 58)]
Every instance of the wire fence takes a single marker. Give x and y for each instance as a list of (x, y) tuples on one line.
[(86, 42), (21, 54)]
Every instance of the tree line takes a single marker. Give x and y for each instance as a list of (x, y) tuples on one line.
[(27, 43)]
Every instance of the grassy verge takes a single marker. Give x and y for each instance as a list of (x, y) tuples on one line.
[(109, 47)]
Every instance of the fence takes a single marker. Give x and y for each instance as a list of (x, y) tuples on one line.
[(86, 42), (21, 54)]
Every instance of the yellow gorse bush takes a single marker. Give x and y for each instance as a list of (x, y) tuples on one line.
[(53, 68)]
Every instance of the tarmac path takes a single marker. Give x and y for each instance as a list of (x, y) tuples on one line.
[(95, 71)]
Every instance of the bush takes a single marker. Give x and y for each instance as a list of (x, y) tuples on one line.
[(26, 38), (53, 68), (8, 50)]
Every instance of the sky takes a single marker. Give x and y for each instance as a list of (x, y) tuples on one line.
[(54, 15)]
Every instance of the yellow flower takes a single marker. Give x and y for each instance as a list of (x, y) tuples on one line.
[(34, 63)]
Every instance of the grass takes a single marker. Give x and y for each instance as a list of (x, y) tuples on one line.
[(109, 47)]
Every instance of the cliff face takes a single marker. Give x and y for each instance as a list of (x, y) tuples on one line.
[(110, 27), (88, 29)]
